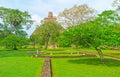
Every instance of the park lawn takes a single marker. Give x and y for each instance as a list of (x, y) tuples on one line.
[(19, 64), (85, 67), (15, 54)]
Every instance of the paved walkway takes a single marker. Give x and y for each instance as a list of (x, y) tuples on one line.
[(46, 71)]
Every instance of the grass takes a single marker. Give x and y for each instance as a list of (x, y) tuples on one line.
[(14, 54), (85, 67), (19, 64), (19, 49)]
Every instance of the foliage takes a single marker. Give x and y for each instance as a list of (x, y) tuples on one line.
[(108, 17), (1, 34), (48, 33), (63, 41), (116, 4), (76, 15), (99, 32), (13, 20), (14, 41), (35, 40)]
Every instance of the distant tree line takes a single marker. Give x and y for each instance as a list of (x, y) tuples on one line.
[(82, 27)]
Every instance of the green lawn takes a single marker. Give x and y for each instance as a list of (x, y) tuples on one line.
[(19, 64), (85, 67)]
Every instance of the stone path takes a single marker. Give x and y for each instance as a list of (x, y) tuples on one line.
[(47, 71)]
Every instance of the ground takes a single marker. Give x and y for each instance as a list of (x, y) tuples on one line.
[(22, 63), (19, 64), (85, 67)]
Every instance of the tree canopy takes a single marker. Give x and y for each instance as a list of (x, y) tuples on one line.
[(13, 20), (48, 33), (13, 41), (100, 32), (116, 4), (76, 15)]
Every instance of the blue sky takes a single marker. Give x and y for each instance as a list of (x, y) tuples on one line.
[(40, 8)]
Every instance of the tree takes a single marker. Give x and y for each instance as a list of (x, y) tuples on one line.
[(1, 34), (96, 33), (34, 39), (14, 41), (48, 33), (64, 41), (116, 4), (92, 34), (108, 17), (76, 15), (14, 19)]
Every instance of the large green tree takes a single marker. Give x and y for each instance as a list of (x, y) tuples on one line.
[(47, 33), (103, 31), (76, 15), (13, 20)]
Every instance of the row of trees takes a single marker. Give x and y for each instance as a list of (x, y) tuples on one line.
[(48, 33), (84, 28)]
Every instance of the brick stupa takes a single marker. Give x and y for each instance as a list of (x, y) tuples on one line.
[(50, 18)]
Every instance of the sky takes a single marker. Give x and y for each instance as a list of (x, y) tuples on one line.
[(39, 9)]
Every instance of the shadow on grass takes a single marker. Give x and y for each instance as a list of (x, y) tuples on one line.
[(14, 54), (115, 54), (96, 61)]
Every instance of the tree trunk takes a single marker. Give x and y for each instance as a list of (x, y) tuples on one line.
[(100, 54), (34, 44), (47, 40), (6, 46), (14, 47)]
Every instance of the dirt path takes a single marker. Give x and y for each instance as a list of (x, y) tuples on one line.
[(47, 71)]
